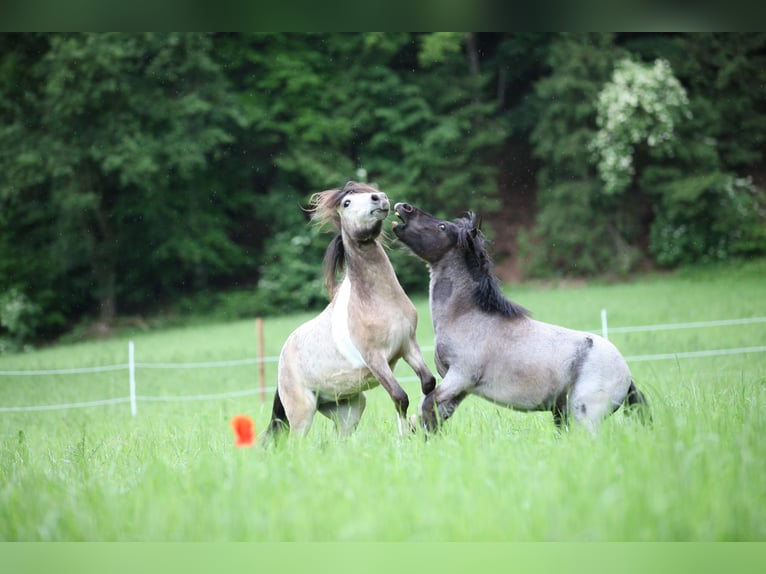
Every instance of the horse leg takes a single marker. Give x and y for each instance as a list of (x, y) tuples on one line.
[(439, 405), (381, 370), (589, 403), (345, 413), (414, 359), (299, 403), (560, 414), (635, 403)]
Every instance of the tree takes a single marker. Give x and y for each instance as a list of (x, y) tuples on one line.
[(106, 145), (707, 206), (639, 106), (405, 110), (578, 229)]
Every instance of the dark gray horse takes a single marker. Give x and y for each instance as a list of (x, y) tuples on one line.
[(488, 346)]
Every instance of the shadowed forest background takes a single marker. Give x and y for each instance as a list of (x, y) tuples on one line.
[(167, 173)]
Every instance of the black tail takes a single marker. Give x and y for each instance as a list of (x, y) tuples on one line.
[(635, 402), (279, 422)]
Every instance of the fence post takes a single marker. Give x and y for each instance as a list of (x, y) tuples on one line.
[(604, 328), (261, 364), (132, 370)]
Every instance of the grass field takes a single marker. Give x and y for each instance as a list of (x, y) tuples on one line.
[(173, 473)]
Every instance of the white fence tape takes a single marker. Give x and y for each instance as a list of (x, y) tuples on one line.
[(694, 354), (132, 366), (74, 371), (66, 406), (694, 325)]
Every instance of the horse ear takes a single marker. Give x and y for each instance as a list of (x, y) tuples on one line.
[(475, 225)]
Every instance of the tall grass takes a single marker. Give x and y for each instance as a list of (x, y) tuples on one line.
[(172, 472)]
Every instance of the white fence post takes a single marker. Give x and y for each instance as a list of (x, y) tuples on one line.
[(132, 370), (604, 328)]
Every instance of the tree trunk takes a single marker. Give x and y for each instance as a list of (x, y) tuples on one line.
[(104, 265), (473, 54), (106, 298)]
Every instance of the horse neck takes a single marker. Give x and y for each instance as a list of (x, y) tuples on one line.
[(451, 288), (368, 267)]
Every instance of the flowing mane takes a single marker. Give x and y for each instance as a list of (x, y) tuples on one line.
[(324, 212), (487, 294)]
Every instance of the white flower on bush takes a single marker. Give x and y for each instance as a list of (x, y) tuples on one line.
[(641, 103), (17, 314)]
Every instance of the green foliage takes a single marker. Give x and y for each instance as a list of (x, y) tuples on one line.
[(641, 104), (704, 208), (438, 47), (581, 243), (708, 218), (291, 278), (141, 172), (576, 231), (18, 320), (110, 142)]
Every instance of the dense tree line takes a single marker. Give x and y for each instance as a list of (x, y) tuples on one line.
[(153, 171)]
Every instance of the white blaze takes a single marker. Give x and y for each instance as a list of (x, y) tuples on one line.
[(340, 332)]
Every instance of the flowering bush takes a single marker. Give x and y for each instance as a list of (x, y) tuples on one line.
[(642, 103), (18, 319)]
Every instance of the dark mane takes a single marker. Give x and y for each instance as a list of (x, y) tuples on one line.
[(487, 294), (334, 263)]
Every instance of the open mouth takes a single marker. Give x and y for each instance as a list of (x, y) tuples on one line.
[(402, 213)]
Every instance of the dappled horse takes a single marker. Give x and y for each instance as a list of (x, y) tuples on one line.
[(488, 346), (369, 324)]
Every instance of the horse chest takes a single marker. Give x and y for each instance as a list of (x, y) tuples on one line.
[(357, 329), (341, 332)]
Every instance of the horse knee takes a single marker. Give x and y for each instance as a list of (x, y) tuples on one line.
[(428, 384), (401, 400)]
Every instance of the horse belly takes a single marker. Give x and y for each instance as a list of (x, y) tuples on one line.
[(519, 391), (522, 380), (344, 384)]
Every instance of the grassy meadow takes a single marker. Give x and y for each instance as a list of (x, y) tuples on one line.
[(172, 473)]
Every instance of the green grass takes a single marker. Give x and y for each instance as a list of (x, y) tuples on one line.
[(172, 472)]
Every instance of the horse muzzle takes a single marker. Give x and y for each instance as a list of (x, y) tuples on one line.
[(403, 212)]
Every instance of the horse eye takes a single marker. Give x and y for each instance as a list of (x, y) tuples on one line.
[(442, 227), (347, 203)]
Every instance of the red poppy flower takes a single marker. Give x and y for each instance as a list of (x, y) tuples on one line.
[(244, 429)]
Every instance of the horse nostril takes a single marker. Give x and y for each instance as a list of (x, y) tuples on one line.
[(375, 197), (408, 208)]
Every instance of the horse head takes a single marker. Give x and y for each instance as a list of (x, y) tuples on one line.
[(431, 238), (356, 211)]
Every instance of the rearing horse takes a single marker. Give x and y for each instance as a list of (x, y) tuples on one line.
[(369, 324), (488, 346)]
